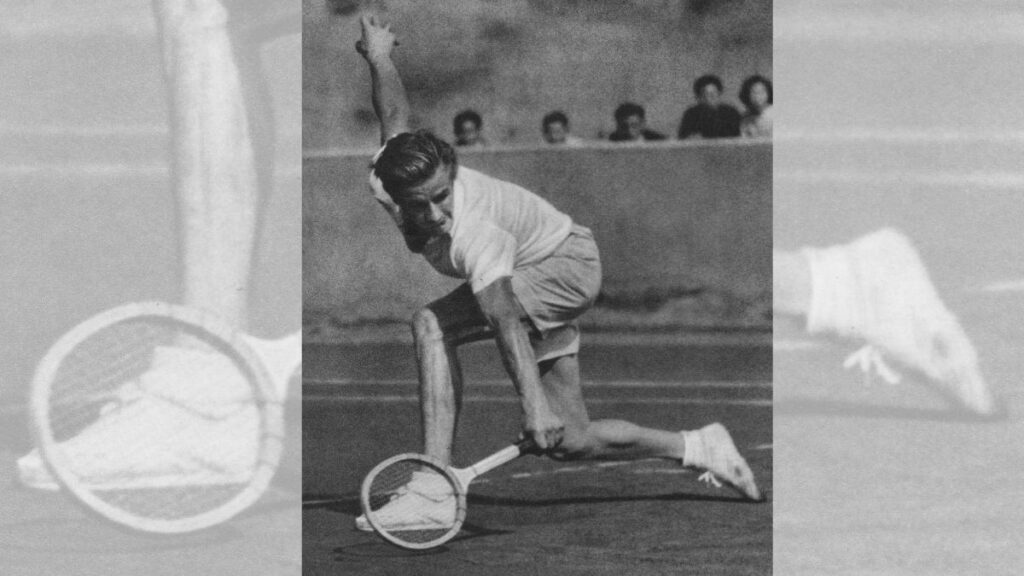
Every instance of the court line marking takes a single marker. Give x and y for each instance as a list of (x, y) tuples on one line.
[(504, 383), (977, 179), (794, 345), (1004, 286), (413, 398)]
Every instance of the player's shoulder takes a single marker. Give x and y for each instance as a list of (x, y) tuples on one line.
[(477, 183)]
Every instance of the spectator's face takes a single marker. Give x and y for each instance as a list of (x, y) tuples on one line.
[(632, 125), (468, 134), (555, 133), (759, 96), (428, 206), (709, 95)]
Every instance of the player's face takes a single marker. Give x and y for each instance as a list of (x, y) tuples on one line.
[(554, 133), (428, 206), (710, 95)]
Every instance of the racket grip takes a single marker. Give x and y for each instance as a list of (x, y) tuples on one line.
[(504, 456), (526, 446)]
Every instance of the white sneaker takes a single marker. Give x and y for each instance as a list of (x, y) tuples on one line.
[(33, 473), (151, 443), (712, 449), (878, 290), (427, 502), (207, 383)]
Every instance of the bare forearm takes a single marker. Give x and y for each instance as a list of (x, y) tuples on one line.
[(520, 363), (389, 98)]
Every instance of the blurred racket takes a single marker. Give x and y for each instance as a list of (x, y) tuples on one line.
[(161, 417), (416, 502)]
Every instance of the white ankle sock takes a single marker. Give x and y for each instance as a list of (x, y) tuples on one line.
[(833, 305), (694, 455)]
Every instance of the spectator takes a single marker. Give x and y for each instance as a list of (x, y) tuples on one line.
[(756, 95), (631, 124), (468, 127), (555, 128), (709, 118)]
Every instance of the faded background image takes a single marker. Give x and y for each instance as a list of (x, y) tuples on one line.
[(901, 114), (88, 221)]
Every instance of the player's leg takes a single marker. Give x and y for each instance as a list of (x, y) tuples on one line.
[(215, 168), (437, 330), (876, 289), (710, 448)]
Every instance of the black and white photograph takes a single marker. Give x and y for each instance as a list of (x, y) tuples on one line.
[(537, 287)]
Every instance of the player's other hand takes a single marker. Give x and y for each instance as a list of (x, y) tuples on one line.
[(545, 429), (377, 40)]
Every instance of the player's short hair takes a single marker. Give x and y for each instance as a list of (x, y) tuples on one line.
[(707, 80), (467, 116), (627, 109), (748, 85), (411, 158), (556, 117)]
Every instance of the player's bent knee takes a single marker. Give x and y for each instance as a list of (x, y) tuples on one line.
[(425, 325)]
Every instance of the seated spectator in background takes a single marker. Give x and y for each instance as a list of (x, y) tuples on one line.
[(631, 125), (710, 117), (555, 128), (468, 127), (756, 95)]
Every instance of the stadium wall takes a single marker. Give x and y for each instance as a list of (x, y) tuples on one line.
[(692, 216)]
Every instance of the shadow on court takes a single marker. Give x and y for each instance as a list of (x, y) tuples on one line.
[(536, 516)]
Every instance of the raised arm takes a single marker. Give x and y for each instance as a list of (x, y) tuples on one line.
[(389, 99)]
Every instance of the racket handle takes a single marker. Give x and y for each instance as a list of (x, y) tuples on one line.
[(499, 458), (526, 445)]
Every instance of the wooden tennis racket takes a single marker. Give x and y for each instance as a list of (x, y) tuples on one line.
[(161, 417), (415, 502)]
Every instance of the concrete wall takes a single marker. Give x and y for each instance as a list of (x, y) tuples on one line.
[(696, 215)]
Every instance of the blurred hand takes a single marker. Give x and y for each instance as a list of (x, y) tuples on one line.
[(377, 40)]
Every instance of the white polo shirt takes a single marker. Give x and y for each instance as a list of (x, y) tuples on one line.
[(497, 227)]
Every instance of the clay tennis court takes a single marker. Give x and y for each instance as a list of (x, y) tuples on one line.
[(535, 516)]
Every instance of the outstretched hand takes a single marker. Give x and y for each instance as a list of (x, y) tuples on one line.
[(377, 40)]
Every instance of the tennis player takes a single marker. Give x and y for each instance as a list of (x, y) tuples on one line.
[(530, 272), (876, 290)]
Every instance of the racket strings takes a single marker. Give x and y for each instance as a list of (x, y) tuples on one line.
[(92, 378), (154, 428), (413, 502)]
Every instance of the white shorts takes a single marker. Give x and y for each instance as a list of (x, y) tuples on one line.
[(557, 291)]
